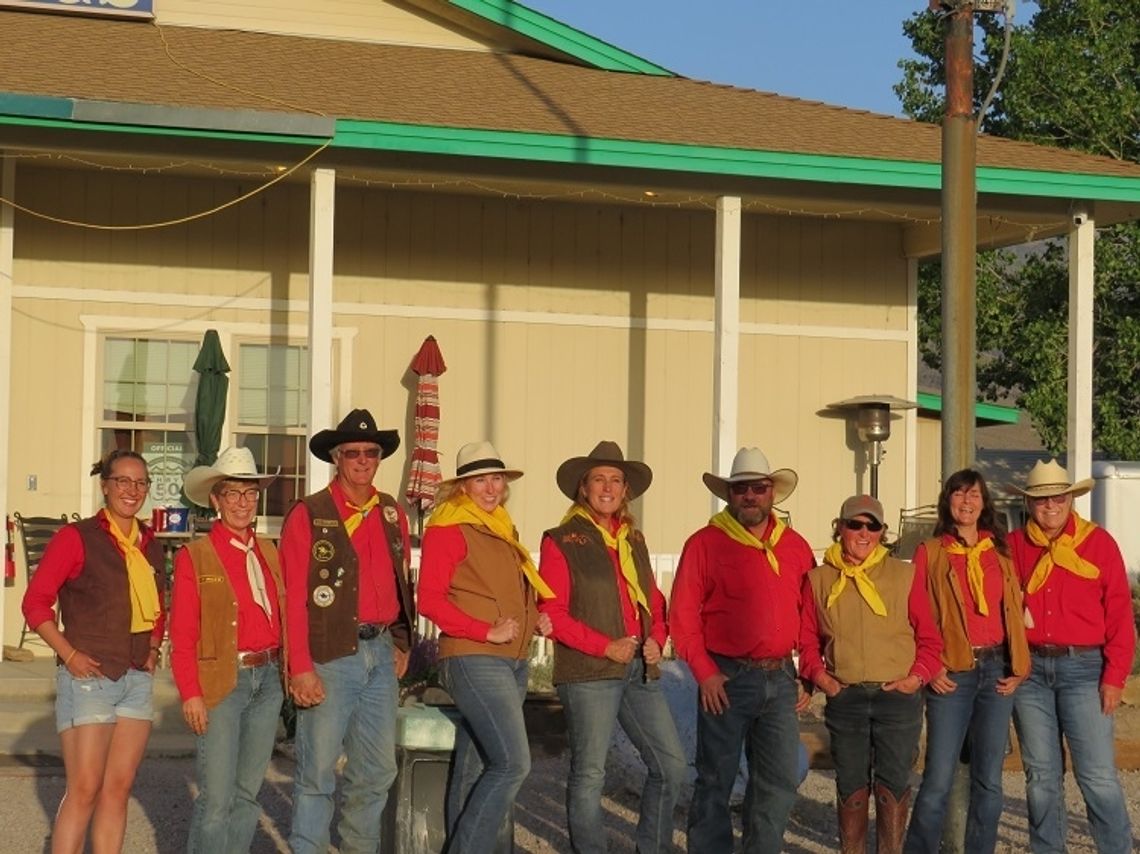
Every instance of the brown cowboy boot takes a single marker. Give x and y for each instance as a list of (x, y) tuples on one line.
[(890, 819), (853, 822)]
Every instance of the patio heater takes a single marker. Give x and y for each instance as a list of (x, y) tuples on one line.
[(871, 414)]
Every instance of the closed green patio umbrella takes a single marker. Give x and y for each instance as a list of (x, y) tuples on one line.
[(210, 401)]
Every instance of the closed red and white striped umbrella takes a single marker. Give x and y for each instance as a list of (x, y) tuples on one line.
[(425, 476)]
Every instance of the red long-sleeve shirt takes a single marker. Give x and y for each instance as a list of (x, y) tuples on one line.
[(987, 630), (255, 632), (378, 600), (578, 635), (727, 600), (63, 561), (1069, 609)]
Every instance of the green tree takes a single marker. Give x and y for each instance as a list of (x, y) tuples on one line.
[(1072, 80)]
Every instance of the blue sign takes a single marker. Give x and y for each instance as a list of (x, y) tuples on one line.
[(143, 9)]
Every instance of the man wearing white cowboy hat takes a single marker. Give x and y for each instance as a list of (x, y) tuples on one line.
[(225, 632), (349, 618), (1079, 624), (735, 619)]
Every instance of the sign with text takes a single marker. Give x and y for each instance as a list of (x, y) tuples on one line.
[(142, 9)]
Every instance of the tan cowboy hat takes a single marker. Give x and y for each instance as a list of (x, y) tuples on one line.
[(231, 464), (638, 475), (1049, 478), (357, 426), (750, 464), (476, 458)]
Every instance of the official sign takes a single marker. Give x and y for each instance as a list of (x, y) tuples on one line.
[(143, 9)]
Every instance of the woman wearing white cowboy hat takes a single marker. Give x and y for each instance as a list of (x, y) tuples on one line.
[(609, 628), (479, 585), (1079, 624), (226, 638)]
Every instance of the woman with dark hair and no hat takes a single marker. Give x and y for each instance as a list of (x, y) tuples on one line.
[(107, 573), (869, 642), (479, 584), (976, 600), (609, 628)]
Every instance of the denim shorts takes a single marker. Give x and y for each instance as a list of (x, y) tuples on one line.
[(101, 700)]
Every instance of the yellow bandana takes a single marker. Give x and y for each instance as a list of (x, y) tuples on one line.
[(461, 510), (620, 543), (974, 572), (866, 587), (354, 521), (729, 524), (1061, 551), (140, 577)]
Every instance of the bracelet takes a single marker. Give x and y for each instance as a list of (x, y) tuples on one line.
[(67, 660)]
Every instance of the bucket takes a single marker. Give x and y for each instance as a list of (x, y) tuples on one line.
[(177, 519)]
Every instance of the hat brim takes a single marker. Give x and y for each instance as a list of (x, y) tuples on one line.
[(200, 481), (1081, 487), (509, 474), (638, 476), (322, 443), (784, 482)]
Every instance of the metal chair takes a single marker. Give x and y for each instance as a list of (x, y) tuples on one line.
[(915, 525), (35, 533)]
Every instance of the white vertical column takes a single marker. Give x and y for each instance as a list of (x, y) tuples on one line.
[(7, 262), (322, 207), (1081, 269), (726, 332)]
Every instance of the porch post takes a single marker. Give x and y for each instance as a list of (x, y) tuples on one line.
[(7, 260), (322, 204), (726, 332), (1081, 268)]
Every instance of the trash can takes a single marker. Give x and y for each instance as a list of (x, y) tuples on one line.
[(415, 820)]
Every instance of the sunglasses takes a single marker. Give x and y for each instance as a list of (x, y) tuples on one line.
[(859, 524), (754, 488), (353, 453)]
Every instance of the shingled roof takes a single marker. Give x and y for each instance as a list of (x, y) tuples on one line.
[(71, 57)]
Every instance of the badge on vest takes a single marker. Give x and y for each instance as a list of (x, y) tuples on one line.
[(323, 596), (391, 516), (323, 551), (326, 523)]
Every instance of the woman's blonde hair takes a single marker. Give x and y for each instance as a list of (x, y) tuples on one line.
[(447, 491)]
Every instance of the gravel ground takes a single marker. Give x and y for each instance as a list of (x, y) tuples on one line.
[(160, 810)]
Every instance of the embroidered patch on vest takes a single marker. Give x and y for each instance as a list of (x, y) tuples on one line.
[(391, 516), (326, 523), (323, 551), (324, 573), (323, 596), (576, 539)]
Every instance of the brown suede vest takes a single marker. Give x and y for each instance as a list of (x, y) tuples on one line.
[(334, 578), (217, 640), (488, 584), (948, 604), (95, 607), (858, 645), (594, 598)]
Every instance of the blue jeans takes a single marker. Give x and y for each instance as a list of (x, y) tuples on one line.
[(1062, 697), (592, 710), (874, 737), (761, 718), (492, 753), (358, 718), (976, 709), (231, 762)]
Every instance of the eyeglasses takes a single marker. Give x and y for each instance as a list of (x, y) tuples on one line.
[(754, 488), (353, 453), (236, 496), (859, 524), (125, 483), (1041, 500)]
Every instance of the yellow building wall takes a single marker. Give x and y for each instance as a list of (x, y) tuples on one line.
[(358, 20), (562, 323)]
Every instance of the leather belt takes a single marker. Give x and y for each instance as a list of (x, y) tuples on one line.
[(988, 653), (1052, 650), (764, 663), (368, 631), (258, 659)]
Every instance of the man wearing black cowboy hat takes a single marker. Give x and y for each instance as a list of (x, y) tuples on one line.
[(344, 556)]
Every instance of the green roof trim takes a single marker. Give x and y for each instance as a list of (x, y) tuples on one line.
[(982, 411), (553, 33), (237, 136)]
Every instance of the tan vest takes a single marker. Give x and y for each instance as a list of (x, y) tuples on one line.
[(217, 639), (488, 584), (948, 603), (858, 645), (594, 599)]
